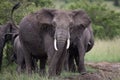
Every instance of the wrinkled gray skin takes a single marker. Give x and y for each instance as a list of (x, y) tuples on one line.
[(45, 34), (86, 44), (7, 33), (19, 53)]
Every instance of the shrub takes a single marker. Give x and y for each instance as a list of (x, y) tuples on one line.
[(106, 22)]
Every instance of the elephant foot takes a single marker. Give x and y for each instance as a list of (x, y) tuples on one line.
[(42, 72), (72, 69), (51, 72), (19, 70), (82, 71), (52, 75), (28, 71), (36, 70)]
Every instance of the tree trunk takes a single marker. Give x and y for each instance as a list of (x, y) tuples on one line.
[(116, 2)]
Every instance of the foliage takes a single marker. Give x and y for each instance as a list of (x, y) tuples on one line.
[(8, 52), (106, 22), (27, 6), (5, 6)]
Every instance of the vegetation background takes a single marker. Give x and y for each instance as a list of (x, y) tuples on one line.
[(105, 15)]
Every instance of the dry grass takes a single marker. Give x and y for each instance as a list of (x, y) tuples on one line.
[(105, 50)]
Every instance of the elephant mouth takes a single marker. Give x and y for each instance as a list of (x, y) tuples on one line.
[(55, 44)]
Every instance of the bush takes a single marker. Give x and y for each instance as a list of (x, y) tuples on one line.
[(106, 23), (27, 7), (4, 11)]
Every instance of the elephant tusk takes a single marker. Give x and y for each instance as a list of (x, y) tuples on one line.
[(68, 43), (55, 44), (89, 43)]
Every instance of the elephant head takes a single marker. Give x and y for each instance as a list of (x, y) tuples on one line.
[(63, 23)]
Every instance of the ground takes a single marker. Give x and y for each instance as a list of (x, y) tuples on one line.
[(104, 71)]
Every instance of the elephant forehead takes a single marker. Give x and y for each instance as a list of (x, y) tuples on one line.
[(62, 16), (62, 19)]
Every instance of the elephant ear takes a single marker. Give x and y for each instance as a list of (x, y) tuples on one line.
[(81, 18), (45, 16)]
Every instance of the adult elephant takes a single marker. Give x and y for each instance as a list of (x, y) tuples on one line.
[(7, 32), (49, 33)]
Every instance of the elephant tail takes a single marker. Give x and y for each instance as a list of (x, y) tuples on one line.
[(16, 6)]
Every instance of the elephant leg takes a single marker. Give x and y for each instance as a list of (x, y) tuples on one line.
[(73, 54), (28, 64), (20, 63), (49, 47), (34, 65), (71, 62), (76, 57), (20, 67), (1, 55), (81, 50), (2, 44), (42, 65), (28, 61)]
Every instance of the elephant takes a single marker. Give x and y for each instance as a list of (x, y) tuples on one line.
[(18, 56), (86, 44), (7, 31), (47, 35)]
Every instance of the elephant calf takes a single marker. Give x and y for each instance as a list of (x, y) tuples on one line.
[(77, 53), (20, 59)]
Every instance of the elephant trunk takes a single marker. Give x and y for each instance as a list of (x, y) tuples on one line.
[(62, 39), (61, 44)]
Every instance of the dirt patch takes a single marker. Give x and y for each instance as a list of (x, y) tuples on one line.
[(105, 66), (87, 76), (105, 71)]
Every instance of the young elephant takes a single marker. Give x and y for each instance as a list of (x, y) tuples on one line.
[(18, 52), (19, 56), (85, 44), (7, 31)]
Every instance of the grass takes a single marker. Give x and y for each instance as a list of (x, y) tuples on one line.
[(103, 50)]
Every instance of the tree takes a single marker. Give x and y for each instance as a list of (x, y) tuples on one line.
[(5, 7), (105, 21)]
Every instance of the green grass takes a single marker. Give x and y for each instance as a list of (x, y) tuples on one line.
[(9, 73), (104, 50)]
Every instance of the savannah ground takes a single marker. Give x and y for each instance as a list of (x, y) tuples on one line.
[(104, 54)]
